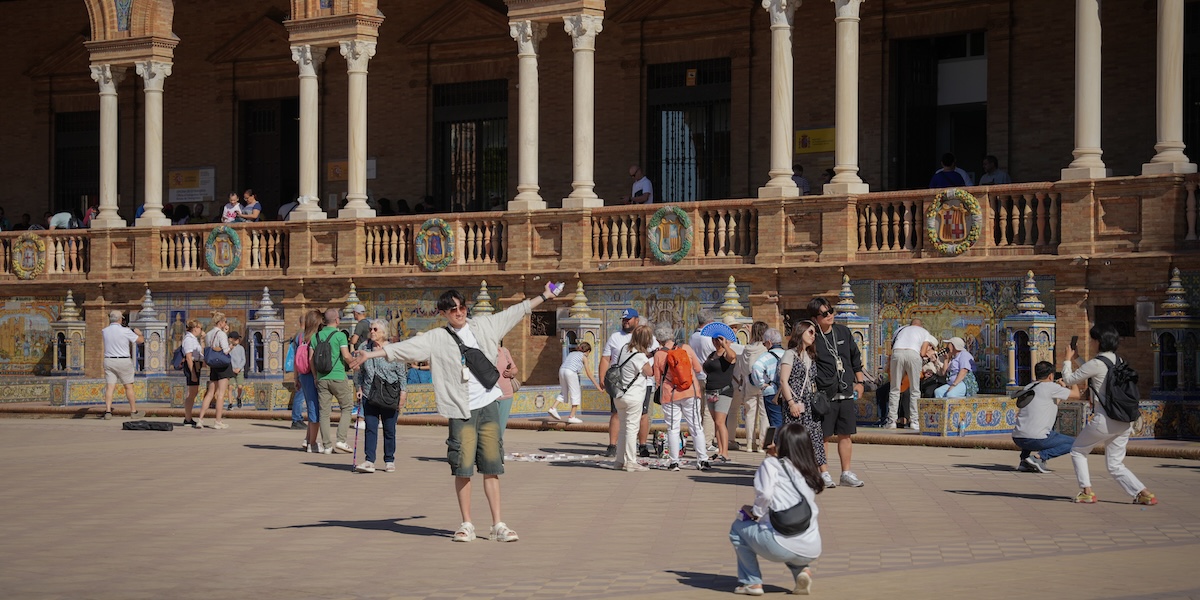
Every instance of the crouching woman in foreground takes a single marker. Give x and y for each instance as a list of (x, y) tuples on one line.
[(781, 525)]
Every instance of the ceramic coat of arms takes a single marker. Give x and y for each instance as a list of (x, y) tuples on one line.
[(28, 256), (670, 232), (435, 245), (222, 250), (953, 221)]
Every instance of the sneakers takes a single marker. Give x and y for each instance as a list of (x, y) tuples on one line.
[(362, 424), (643, 451), (220, 425), (610, 451), (828, 479), (554, 413), (850, 479), (366, 467), (187, 422), (321, 449), (635, 468), (803, 583), (704, 465), (137, 414), (914, 426), (343, 448), (1036, 464), (299, 425), (1025, 468), (389, 467), (889, 425), (501, 533), (1085, 498), (107, 415), (574, 420), (306, 447), (748, 591), (1145, 497), (673, 466)]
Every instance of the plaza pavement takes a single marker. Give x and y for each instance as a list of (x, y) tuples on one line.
[(91, 511)]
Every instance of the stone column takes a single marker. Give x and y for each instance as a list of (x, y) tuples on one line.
[(583, 30), (528, 35), (782, 88), (154, 74), (358, 53), (1170, 157), (1087, 163), (845, 154), (309, 59), (108, 77)]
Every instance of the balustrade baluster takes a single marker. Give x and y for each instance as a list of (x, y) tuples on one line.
[(620, 237), (909, 217), (710, 228), (490, 242), (872, 228), (1027, 215), (73, 258), (1043, 220), (860, 215), (610, 227), (1010, 230), (995, 202), (1053, 206), (753, 233)]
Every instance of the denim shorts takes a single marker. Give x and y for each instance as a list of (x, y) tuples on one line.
[(476, 442)]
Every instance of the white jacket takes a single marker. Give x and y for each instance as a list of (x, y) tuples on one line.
[(445, 361)]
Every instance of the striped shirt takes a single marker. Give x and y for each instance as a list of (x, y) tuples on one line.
[(573, 362)]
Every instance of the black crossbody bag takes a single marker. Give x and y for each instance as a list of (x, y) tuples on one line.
[(795, 519), (475, 360)]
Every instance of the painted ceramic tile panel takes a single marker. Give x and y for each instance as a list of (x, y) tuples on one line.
[(25, 335)]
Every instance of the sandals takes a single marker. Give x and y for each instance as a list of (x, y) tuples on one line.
[(465, 533), (501, 533), (1086, 498), (1145, 497)]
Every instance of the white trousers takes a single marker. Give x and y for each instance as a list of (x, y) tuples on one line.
[(756, 418), (629, 411), (733, 418), (904, 362), (689, 411), (1114, 435)]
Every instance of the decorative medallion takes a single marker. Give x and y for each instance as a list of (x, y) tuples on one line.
[(670, 232), (435, 245), (222, 250), (28, 256), (953, 221)]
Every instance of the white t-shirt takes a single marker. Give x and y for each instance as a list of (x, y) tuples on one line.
[(1035, 421), (231, 212), (117, 338), (631, 370), (217, 339), (618, 340), (479, 396), (910, 337), (192, 345), (778, 486), (642, 186)]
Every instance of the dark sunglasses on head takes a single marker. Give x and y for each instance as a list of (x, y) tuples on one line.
[(825, 313)]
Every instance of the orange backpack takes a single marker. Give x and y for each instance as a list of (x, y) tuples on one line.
[(679, 367)]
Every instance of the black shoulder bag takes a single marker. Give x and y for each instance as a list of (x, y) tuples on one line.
[(796, 519), (477, 362)]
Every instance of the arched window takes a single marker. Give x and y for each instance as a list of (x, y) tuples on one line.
[(258, 352), (1024, 374), (60, 355), (1168, 362)]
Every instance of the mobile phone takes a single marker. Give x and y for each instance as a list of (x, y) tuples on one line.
[(770, 436), (1074, 342)]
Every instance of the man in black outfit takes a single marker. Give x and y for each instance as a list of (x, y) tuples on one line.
[(840, 377)]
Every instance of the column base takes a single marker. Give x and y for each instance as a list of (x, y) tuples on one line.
[(114, 223), (845, 189), (1074, 173), (312, 214), (769, 191), (1168, 168), (570, 202), (353, 212), (520, 205), (152, 221)]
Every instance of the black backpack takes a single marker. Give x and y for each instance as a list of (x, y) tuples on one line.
[(177, 361), (322, 362), (1121, 396)]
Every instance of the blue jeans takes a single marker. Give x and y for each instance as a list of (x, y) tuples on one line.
[(774, 412), (1055, 444), (373, 415), (751, 540), (945, 391), (305, 399)]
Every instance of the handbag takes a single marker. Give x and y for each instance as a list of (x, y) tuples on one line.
[(516, 383), (384, 395), (477, 362), (819, 405), (793, 520), (215, 359)]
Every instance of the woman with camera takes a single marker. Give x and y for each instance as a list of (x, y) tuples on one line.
[(381, 391)]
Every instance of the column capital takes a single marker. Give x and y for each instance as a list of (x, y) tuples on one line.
[(583, 30), (358, 53), (782, 11), (846, 9), (108, 77), (154, 73), (529, 35), (309, 58)]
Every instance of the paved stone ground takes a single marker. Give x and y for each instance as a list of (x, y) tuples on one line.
[(95, 512)]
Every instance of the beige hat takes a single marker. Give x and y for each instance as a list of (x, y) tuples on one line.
[(957, 342), (730, 320)]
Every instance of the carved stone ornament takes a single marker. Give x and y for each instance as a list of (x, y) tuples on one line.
[(222, 250), (435, 245), (670, 231), (308, 58), (529, 35), (28, 256), (583, 30), (953, 221), (358, 53)]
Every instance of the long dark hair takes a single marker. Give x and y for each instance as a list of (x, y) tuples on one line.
[(794, 444), (798, 334)]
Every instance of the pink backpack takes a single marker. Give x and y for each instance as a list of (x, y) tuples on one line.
[(302, 366)]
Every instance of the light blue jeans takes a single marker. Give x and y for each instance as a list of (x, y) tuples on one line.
[(305, 400), (751, 540), (945, 391)]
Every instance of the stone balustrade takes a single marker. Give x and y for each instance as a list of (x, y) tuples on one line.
[(1077, 217)]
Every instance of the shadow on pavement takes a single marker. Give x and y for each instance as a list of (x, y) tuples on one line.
[(393, 525), (731, 480), (272, 447), (595, 451), (1012, 495), (991, 467), (274, 425), (333, 466), (1193, 467), (717, 583)]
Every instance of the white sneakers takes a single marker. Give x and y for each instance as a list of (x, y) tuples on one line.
[(343, 447), (366, 467), (554, 413), (574, 420)]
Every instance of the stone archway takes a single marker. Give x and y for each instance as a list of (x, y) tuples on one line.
[(128, 19)]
